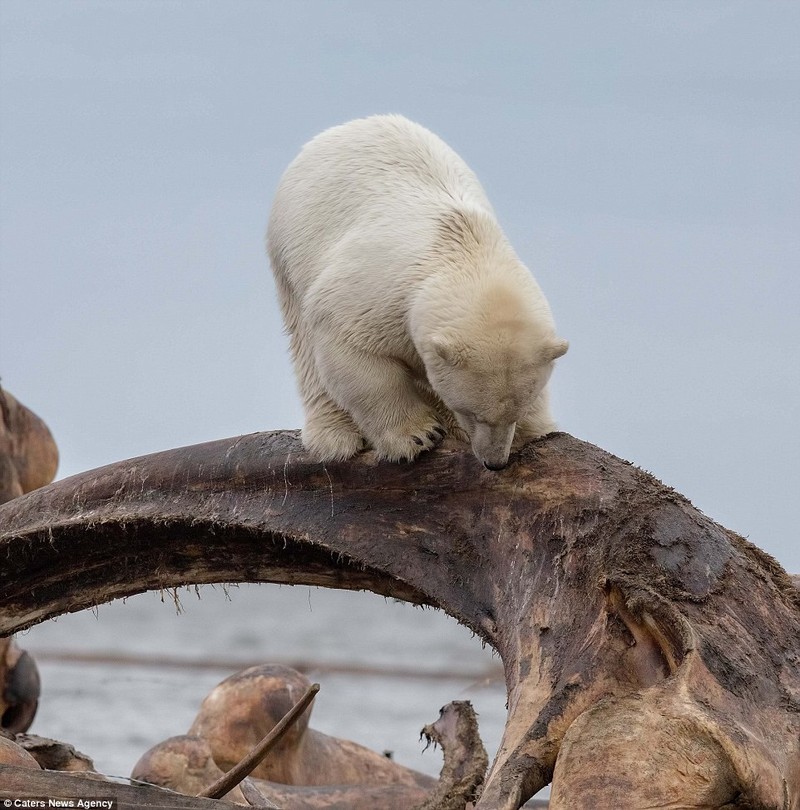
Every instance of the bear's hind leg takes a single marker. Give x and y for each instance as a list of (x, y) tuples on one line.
[(329, 433), (385, 404)]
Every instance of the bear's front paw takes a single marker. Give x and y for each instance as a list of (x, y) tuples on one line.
[(406, 446)]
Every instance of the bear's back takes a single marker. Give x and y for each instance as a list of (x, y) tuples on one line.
[(378, 174), (371, 158)]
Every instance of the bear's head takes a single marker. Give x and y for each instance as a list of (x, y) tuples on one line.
[(491, 381)]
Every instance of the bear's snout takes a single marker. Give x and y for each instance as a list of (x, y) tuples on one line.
[(492, 444)]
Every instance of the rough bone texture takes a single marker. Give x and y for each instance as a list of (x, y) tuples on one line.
[(465, 758), (614, 604)]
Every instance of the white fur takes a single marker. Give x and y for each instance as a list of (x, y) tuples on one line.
[(408, 311)]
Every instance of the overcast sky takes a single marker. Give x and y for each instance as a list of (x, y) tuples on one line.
[(643, 158)]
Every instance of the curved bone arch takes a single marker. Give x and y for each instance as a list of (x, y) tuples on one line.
[(652, 657)]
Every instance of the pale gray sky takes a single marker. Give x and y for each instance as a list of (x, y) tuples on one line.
[(642, 156)]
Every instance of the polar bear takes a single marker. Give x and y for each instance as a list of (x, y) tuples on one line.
[(408, 312)]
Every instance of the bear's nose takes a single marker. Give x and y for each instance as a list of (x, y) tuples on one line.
[(494, 465)]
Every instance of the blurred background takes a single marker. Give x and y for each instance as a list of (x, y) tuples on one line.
[(642, 157)]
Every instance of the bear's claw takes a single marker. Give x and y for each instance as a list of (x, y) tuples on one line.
[(407, 447)]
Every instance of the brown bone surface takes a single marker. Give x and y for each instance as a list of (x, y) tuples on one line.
[(641, 641), (239, 712), (28, 459), (28, 454), (352, 778)]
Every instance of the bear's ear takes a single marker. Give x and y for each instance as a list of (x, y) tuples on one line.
[(558, 348), (448, 349)]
